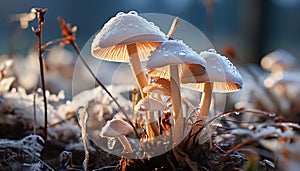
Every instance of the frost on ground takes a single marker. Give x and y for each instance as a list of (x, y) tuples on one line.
[(17, 106), (19, 112)]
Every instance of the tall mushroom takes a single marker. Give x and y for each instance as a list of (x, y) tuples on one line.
[(173, 53), (221, 76), (118, 128), (128, 37)]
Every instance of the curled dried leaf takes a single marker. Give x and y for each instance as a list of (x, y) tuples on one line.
[(165, 123), (67, 31)]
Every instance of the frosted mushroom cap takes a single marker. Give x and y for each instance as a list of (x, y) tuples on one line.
[(149, 104), (173, 52), (281, 78), (123, 29), (161, 86), (219, 70), (115, 128), (278, 60)]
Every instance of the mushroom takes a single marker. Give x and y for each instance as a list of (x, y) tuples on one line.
[(173, 53), (285, 87), (149, 105), (118, 128), (220, 76), (160, 86), (278, 61), (128, 37)]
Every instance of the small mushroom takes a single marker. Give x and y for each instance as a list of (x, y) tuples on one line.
[(285, 87), (173, 53), (278, 60), (160, 86), (128, 37), (118, 128), (220, 76), (149, 105)]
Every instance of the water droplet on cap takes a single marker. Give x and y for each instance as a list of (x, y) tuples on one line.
[(219, 69), (272, 114), (179, 41), (130, 24), (212, 50), (133, 12), (182, 53), (120, 14), (237, 113), (111, 141), (214, 66), (166, 54)]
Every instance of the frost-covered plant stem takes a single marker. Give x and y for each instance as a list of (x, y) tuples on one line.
[(40, 15)]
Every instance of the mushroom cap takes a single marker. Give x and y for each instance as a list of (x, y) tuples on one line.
[(160, 86), (149, 104), (278, 60), (124, 29), (163, 72), (219, 70), (173, 52), (282, 78), (115, 128)]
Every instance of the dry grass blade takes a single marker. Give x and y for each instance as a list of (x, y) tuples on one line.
[(82, 120)]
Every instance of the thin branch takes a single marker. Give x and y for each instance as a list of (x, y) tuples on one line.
[(34, 111), (40, 15), (173, 27)]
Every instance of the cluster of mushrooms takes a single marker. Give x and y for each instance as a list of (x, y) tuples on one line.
[(170, 64), (272, 86), (281, 80)]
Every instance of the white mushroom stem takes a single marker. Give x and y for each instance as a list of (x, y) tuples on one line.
[(206, 98), (153, 124), (125, 143), (176, 104), (137, 67), (149, 129)]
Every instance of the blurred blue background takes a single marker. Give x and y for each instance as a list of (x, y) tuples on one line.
[(252, 28)]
